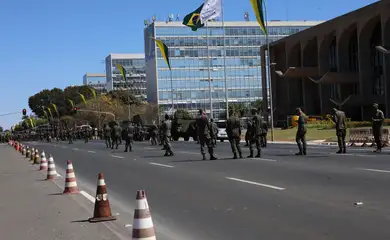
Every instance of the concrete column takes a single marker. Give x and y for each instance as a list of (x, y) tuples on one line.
[(385, 20)]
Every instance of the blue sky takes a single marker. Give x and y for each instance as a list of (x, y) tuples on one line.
[(46, 43)]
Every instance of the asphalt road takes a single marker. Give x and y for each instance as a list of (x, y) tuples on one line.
[(278, 196)]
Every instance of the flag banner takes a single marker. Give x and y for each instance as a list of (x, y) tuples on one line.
[(164, 51), (71, 103), (93, 92), (192, 20), (31, 122), (51, 115), (45, 113), (55, 108), (122, 70), (211, 10), (257, 6), (83, 98)]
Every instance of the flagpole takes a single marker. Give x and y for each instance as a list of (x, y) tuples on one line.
[(224, 62), (208, 70), (172, 89), (268, 72)]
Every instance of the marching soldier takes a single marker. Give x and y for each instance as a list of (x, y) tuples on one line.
[(128, 136), (377, 125), (107, 135), (256, 132), (300, 137), (233, 129), (86, 135), (214, 126), (248, 132), (153, 134), (264, 128), (339, 119), (116, 135), (166, 135), (70, 135), (205, 135)]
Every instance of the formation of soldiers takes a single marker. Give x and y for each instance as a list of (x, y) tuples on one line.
[(206, 133)]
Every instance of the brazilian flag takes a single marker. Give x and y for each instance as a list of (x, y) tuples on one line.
[(257, 6), (122, 70), (192, 20), (164, 51)]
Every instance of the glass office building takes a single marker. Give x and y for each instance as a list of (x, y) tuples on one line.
[(96, 80), (188, 86), (136, 75)]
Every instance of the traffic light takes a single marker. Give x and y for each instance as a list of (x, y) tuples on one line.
[(24, 112), (75, 110)]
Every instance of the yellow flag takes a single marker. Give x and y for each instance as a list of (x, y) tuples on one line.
[(71, 103), (55, 108), (93, 92), (51, 115), (31, 122), (83, 98), (45, 113)]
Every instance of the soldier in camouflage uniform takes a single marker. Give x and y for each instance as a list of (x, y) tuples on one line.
[(153, 134), (166, 134), (128, 136), (116, 135), (205, 135), (214, 126), (264, 134), (256, 132), (341, 129), (301, 132), (107, 135), (233, 130), (377, 126)]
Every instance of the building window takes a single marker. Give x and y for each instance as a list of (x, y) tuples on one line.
[(377, 62)]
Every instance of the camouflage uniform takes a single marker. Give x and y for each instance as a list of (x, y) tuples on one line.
[(233, 128), (166, 135), (107, 136), (205, 135), (300, 137), (339, 119), (377, 125), (257, 122)]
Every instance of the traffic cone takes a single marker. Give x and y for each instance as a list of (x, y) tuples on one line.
[(102, 210), (36, 158), (32, 154), (70, 180), (28, 152), (21, 149), (24, 151), (143, 227), (51, 170), (43, 165)]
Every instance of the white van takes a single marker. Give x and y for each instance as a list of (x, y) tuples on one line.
[(222, 134)]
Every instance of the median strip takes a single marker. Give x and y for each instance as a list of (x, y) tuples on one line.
[(161, 165), (256, 183)]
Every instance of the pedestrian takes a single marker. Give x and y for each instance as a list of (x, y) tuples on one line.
[(128, 136), (233, 130), (166, 135), (205, 135), (377, 125), (107, 135), (256, 132), (116, 135), (300, 137), (341, 129)]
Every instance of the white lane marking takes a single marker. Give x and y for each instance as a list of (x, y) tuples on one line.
[(361, 155), (91, 152), (262, 159), (374, 170), (87, 196), (351, 155), (76, 149), (256, 183), (161, 165), (63, 147), (128, 225), (115, 156)]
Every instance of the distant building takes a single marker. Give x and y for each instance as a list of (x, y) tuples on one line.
[(344, 61), (96, 80), (189, 86), (136, 75)]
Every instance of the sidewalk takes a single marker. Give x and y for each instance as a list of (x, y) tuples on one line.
[(33, 209)]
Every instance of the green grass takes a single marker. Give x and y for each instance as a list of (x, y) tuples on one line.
[(312, 134)]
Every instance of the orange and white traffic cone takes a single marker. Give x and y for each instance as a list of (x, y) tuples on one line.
[(43, 165), (51, 170), (24, 151), (143, 227), (102, 210), (70, 181), (28, 152), (32, 155), (36, 158)]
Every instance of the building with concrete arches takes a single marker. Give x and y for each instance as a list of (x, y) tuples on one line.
[(344, 62)]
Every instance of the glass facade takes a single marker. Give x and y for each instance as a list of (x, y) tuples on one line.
[(187, 85), (136, 75), (97, 81)]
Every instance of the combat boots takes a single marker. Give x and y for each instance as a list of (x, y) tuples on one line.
[(212, 157), (250, 155)]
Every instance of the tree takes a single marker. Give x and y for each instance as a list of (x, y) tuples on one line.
[(258, 104), (238, 108), (125, 97), (1, 129), (183, 114)]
